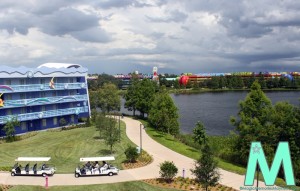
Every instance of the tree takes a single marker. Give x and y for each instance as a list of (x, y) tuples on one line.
[(145, 94), (109, 98), (254, 122), (106, 79), (163, 114), (101, 123), (111, 133), (206, 168), (93, 99), (199, 135), (287, 121), (131, 96), (131, 154), (9, 128), (168, 171)]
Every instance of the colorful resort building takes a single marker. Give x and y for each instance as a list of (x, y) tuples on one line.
[(41, 97)]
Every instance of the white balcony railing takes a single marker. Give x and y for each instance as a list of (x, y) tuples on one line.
[(45, 114), (40, 87), (43, 101)]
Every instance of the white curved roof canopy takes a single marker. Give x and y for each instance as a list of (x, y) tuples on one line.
[(96, 159), (33, 159), (59, 65)]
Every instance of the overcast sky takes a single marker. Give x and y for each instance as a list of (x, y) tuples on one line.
[(120, 36)]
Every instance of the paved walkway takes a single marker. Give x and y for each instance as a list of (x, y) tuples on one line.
[(158, 152)]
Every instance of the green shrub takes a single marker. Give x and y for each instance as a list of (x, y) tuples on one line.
[(131, 154), (168, 171)]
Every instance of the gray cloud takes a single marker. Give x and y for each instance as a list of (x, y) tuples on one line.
[(67, 20), (172, 16), (126, 35), (92, 35)]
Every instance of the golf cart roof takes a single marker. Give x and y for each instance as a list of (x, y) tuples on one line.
[(36, 159), (96, 159)]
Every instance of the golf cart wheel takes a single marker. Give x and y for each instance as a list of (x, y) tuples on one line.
[(44, 174), (76, 175), (110, 174), (12, 174)]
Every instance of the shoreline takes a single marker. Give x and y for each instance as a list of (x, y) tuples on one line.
[(199, 91)]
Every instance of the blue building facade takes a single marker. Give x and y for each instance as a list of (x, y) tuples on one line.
[(40, 97)]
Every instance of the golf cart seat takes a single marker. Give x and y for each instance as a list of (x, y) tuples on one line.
[(27, 167)]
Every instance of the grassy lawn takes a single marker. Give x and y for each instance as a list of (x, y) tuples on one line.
[(125, 186), (175, 145), (64, 147)]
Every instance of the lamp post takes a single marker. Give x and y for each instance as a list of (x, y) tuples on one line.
[(141, 138)]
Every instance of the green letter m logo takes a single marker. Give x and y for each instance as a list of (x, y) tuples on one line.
[(257, 157)]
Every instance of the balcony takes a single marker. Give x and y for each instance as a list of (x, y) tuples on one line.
[(46, 114), (40, 87), (43, 101)]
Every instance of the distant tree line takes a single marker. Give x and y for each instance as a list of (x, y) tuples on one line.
[(103, 79), (235, 82)]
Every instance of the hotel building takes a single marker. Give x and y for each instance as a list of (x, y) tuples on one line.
[(40, 97)]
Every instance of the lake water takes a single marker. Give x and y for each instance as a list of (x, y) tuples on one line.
[(214, 109)]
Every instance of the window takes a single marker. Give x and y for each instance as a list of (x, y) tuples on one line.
[(53, 93), (42, 81), (7, 96), (23, 110), (55, 121), (8, 82), (22, 96), (71, 105), (8, 112), (54, 107), (23, 126), (44, 122), (22, 81), (72, 118), (43, 94), (71, 80), (43, 108)]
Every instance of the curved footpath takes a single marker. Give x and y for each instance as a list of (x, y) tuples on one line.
[(158, 152)]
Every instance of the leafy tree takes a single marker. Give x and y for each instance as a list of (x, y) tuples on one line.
[(101, 123), (94, 114), (145, 94), (222, 82), (206, 168), (286, 118), (111, 133), (9, 128), (163, 113), (254, 122), (93, 99), (176, 84), (168, 171), (131, 96), (214, 83), (131, 154), (109, 98), (106, 79), (199, 135)]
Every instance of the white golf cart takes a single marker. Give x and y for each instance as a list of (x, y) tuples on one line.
[(96, 169), (42, 170)]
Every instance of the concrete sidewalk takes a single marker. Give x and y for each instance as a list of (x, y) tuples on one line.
[(157, 151)]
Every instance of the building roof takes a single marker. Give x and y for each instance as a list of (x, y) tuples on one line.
[(33, 159), (59, 65)]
